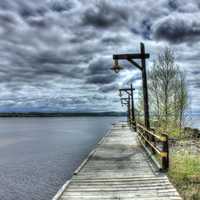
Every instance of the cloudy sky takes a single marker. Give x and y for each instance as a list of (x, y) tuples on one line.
[(56, 55)]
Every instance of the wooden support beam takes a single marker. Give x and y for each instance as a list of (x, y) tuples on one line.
[(145, 89), (134, 63), (124, 89), (130, 56)]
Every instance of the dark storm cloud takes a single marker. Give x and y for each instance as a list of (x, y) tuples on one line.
[(109, 88), (60, 5), (104, 15), (38, 22), (173, 4), (52, 57), (194, 77), (100, 79), (183, 6), (146, 28), (178, 28), (57, 54), (82, 36), (99, 97), (113, 40), (24, 8), (99, 71)]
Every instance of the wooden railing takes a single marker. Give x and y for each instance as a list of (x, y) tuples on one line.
[(155, 144)]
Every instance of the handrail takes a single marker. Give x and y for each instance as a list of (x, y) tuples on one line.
[(161, 138), (161, 153), (157, 144)]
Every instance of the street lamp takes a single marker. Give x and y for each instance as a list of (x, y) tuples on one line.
[(130, 57), (126, 101), (129, 91), (116, 67), (120, 93)]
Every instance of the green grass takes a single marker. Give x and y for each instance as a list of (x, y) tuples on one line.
[(185, 174), (175, 133)]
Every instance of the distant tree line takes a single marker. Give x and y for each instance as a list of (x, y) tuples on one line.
[(61, 114)]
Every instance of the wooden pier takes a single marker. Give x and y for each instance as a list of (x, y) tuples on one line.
[(118, 168)]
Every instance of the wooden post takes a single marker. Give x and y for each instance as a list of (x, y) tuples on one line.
[(128, 105), (132, 107), (165, 160), (145, 89)]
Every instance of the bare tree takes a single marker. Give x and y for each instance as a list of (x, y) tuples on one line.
[(153, 87), (167, 90), (182, 98)]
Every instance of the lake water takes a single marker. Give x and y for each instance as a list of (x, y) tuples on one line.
[(193, 121), (37, 155)]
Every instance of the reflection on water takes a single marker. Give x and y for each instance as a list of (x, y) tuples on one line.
[(193, 121), (37, 155)]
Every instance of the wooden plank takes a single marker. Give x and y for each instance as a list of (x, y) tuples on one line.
[(61, 191), (119, 168), (84, 162), (90, 154)]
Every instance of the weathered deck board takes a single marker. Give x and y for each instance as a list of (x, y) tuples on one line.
[(119, 169)]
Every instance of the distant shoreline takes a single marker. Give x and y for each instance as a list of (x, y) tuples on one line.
[(66, 114), (59, 114)]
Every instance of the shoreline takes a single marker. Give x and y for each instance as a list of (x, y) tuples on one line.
[(63, 114), (193, 132)]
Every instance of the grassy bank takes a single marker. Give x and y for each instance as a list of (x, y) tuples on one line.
[(185, 173)]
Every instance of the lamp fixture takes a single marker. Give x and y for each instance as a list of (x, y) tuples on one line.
[(116, 67)]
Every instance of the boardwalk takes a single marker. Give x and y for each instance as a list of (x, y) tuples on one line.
[(118, 169)]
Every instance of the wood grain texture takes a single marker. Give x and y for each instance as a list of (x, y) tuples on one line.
[(119, 169)]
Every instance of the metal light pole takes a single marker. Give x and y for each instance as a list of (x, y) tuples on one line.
[(130, 57)]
